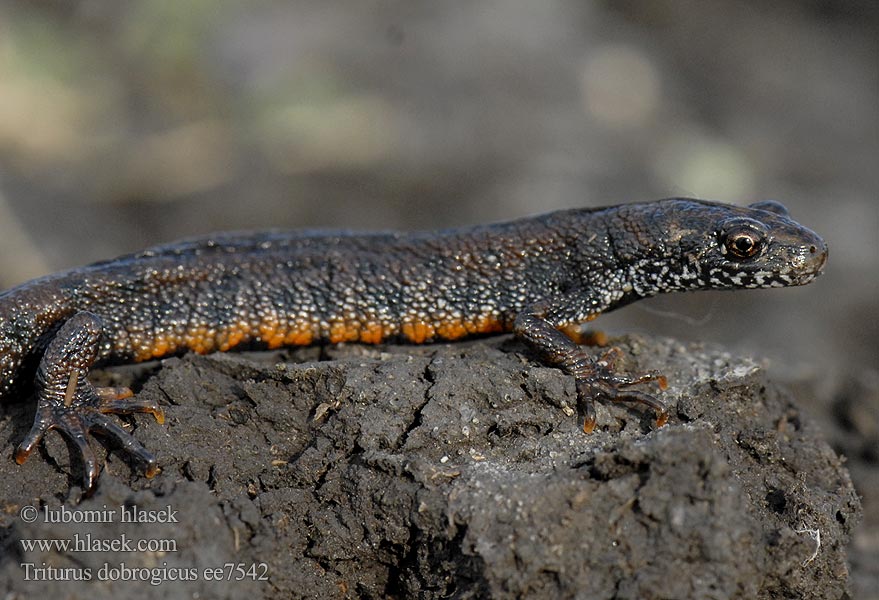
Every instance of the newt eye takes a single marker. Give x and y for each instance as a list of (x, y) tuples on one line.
[(742, 238), (742, 245)]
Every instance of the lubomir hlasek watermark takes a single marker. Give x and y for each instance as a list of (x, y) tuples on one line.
[(120, 514), (140, 520)]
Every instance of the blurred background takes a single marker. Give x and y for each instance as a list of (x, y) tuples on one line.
[(125, 124)]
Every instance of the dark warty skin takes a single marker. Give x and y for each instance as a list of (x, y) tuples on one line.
[(539, 277)]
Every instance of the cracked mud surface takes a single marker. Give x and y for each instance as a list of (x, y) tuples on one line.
[(453, 471)]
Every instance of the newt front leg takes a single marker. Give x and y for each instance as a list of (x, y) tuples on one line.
[(594, 379), (68, 402)]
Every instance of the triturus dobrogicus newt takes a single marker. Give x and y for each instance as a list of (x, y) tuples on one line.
[(538, 277)]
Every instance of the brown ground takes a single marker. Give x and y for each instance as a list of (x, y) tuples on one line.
[(454, 470)]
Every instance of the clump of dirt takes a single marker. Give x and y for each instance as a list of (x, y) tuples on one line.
[(445, 471)]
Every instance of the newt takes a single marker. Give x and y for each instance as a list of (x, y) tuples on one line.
[(537, 277)]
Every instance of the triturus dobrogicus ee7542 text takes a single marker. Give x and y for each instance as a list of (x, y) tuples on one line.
[(538, 277)]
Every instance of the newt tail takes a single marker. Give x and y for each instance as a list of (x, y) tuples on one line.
[(537, 277)]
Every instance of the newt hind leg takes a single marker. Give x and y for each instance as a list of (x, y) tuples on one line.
[(68, 402)]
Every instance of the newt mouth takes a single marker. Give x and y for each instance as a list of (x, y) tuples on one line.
[(809, 264)]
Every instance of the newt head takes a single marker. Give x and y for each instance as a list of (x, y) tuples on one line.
[(719, 246), (766, 248), (758, 246)]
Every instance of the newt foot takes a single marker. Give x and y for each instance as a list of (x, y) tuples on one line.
[(68, 402), (596, 380)]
